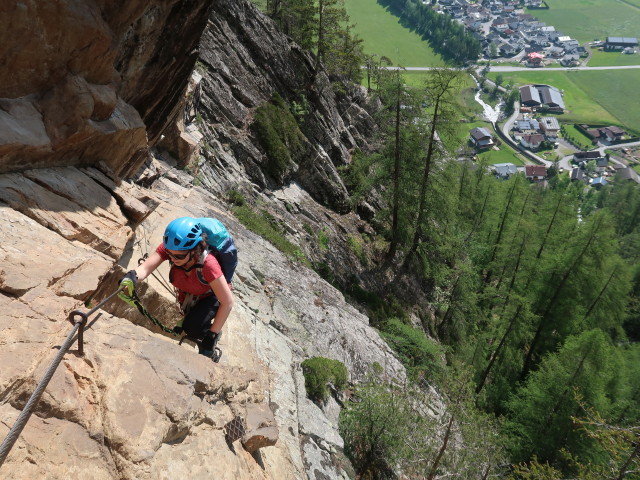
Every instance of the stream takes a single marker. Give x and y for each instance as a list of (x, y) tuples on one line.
[(490, 113)]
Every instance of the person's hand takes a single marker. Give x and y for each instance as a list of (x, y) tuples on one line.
[(127, 285)]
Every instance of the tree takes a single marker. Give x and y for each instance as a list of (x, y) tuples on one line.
[(542, 409), (441, 85), (389, 431)]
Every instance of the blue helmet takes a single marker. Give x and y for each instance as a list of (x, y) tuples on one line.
[(182, 234)]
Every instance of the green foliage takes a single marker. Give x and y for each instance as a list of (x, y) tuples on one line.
[(236, 198), (319, 372), (422, 357), (386, 430), (279, 135), (541, 411), (308, 228), (355, 244), (323, 239), (265, 225)]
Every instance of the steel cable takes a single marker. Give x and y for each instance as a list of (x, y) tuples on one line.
[(20, 423)]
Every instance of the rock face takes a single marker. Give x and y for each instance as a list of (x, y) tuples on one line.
[(80, 80), (138, 405), (85, 89), (245, 61)]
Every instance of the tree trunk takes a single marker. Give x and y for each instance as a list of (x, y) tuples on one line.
[(425, 181), (436, 462), (495, 355), (396, 181)]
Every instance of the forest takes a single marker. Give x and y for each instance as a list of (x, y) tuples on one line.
[(534, 290)]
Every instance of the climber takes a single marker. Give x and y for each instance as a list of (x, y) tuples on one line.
[(206, 306)]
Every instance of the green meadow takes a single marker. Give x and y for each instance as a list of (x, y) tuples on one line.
[(383, 35), (601, 58), (586, 20), (599, 97)]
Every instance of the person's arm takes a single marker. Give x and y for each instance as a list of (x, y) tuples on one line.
[(223, 293), (149, 265)]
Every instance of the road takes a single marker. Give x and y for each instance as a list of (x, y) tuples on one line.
[(498, 68)]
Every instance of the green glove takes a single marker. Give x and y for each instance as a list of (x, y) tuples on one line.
[(127, 285)]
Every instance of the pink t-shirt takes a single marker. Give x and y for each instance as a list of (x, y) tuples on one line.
[(188, 282)]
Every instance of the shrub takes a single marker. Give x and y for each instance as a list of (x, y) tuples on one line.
[(277, 131), (355, 244), (319, 372), (420, 355), (265, 225), (236, 198), (323, 239)]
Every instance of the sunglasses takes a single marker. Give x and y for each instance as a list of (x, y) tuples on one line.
[(179, 256)]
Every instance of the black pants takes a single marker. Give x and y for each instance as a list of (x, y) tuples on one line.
[(200, 316)]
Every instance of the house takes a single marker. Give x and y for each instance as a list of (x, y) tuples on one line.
[(628, 174), (525, 126), (584, 157), (601, 164), (529, 96), (551, 97), (532, 142), (612, 133), (620, 43), (535, 173), (570, 60), (550, 127), (599, 182), (577, 174), (504, 170), (555, 52), (534, 59), (481, 137)]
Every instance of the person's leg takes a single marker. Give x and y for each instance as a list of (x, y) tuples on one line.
[(198, 320)]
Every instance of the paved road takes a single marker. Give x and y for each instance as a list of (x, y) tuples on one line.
[(498, 68)]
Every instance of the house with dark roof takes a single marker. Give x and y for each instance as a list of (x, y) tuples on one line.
[(601, 164), (535, 173), (577, 174), (481, 137), (529, 96), (592, 155), (628, 174), (620, 43)]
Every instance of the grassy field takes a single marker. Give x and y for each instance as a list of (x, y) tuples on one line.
[(587, 20), (383, 35), (579, 138), (600, 58), (601, 96), (505, 155)]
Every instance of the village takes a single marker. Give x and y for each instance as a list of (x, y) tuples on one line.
[(531, 130), (505, 31)]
